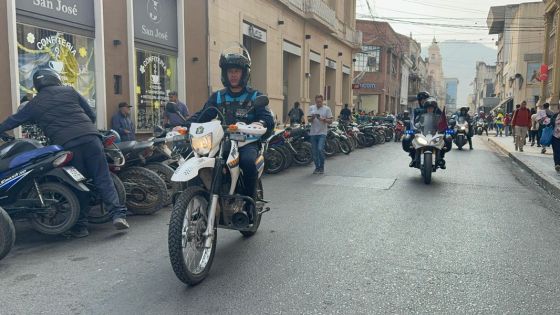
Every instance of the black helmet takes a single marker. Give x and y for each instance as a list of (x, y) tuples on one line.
[(235, 60), (464, 108), (45, 77), (422, 95)]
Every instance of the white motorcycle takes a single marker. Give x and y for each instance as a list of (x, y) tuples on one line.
[(461, 131), (427, 144), (212, 199)]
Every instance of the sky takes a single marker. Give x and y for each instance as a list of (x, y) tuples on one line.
[(464, 19)]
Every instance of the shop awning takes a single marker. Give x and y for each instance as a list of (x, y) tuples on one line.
[(503, 104)]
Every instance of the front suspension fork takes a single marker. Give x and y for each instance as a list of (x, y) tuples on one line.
[(213, 206)]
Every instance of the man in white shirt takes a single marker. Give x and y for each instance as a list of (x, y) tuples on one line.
[(320, 117)]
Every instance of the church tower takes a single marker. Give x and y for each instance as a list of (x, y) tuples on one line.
[(435, 71)]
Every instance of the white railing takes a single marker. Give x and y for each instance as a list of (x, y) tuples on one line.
[(318, 8), (352, 36), (297, 3)]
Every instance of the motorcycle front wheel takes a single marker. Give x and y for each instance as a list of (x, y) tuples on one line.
[(331, 147), (7, 233), (274, 161), (427, 168), (146, 192), (344, 145), (190, 260), (304, 154)]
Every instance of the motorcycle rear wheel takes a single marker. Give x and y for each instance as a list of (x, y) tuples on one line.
[(98, 213), (190, 260), (63, 209), (7, 233)]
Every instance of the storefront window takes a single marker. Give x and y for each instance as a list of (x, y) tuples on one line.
[(72, 56), (156, 76)]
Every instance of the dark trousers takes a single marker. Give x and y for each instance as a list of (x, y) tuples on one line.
[(247, 158), (89, 159), (533, 136), (556, 150)]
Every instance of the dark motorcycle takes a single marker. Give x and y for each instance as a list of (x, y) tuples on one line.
[(36, 184)]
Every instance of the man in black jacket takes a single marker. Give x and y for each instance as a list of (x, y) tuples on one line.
[(67, 120)]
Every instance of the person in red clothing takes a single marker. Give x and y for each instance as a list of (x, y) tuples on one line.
[(507, 124), (521, 123)]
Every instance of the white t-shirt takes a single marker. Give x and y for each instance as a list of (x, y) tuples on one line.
[(318, 127)]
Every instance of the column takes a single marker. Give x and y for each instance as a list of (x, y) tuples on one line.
[(556, 70), (547, 25)]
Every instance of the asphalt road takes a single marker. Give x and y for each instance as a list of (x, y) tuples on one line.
[(368, 237)]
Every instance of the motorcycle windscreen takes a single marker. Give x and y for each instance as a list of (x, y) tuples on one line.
[(429, 123)]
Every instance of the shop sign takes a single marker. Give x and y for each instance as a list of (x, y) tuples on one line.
[(367, 85), (79, 12), (355, 86), (254, 32), (155, 21), (154, 69)]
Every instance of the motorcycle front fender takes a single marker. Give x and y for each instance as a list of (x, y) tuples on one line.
[(189, 169)]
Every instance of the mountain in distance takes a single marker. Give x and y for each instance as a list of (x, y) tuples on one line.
[(459, 61)]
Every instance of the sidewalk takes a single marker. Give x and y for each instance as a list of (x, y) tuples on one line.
[(540, 166)]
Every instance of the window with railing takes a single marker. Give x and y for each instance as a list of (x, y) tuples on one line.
[(368, 60)]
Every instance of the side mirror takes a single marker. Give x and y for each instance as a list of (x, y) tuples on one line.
[(260, 101)]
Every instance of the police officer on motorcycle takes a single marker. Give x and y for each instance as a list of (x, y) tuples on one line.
[(464, 112), (67, 120), (234, 102)]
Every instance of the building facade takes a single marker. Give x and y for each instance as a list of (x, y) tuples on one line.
[(138, 51), (418, 79), (550, 87), (519, 54), (435, 73), (109, 51), (484, 96), (451, 85), (299, 48), (378, 68)]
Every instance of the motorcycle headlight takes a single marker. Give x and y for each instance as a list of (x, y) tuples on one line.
[(435, 140), (202, 145), (463, 128), (422, 141)]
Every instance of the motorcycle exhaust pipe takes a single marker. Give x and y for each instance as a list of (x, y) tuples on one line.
[(240, 218)]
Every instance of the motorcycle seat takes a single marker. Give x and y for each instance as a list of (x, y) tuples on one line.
[(25, 157), (16, 147), (126, 146), (131, 146)]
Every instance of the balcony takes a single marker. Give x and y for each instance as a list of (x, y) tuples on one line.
[(353, 37), (319, 11)]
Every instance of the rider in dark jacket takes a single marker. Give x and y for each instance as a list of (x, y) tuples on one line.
[(464, 112), (67, 120), (235, 104)]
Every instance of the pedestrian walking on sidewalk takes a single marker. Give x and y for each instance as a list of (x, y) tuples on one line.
[(521, 123), (543, 117), (555, 123), (499, 123), (534, 132), (320, 116), (507, 124), (512, 130)]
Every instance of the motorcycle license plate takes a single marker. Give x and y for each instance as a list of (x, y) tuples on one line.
[(74, 173)]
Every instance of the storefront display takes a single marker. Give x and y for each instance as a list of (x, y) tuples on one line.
[(156, 76), (72, 56)]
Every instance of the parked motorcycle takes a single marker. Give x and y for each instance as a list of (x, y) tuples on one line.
[(216, 200), (7, 233), (428, 145), (36, 185)]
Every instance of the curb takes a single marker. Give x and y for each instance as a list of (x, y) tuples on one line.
[(542, 179)]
